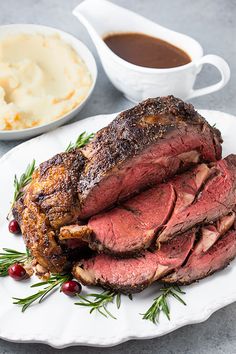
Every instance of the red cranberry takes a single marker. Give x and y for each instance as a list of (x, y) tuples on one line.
[(71, 288), (17, 272), (14, 227)]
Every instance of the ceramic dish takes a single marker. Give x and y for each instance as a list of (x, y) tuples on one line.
[(79, 48), (57, 321)]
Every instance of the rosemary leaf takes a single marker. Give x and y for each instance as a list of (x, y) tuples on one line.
[(178, 298), (81, 141), (160, 303), (49, 281), (177, 289), (108, 313), (99, 310), (118, 300)]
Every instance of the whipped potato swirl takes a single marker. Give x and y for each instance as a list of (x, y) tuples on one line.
[(41, 79)]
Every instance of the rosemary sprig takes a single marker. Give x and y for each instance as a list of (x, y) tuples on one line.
[(51, 284), (160, 303), (100, 301), (81, 141), (25, 178), (9, 257)]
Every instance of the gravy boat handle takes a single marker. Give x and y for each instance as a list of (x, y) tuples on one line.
[(224, 70)]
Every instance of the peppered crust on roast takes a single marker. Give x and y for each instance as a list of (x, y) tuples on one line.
[(50, 201)]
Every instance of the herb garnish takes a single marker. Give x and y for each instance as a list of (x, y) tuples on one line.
[(81, 141), (160, 303), (24, 179), (51, 284), (100, 301), (10, 257)]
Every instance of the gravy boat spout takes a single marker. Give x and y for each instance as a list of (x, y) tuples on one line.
[(136, 82)]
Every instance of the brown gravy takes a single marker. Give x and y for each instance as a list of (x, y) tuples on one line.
[(147, 51)]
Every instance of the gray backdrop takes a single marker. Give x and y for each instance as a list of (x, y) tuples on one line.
[(212, 23)]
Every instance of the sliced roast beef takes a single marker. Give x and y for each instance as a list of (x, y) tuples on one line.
[(200, 195), (134, 274), (217, 198), (141, 147), (206, 263), (131, 227)]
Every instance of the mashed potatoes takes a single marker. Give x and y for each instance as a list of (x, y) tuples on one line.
[(41, 79)]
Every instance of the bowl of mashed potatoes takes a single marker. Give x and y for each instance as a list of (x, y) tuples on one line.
[(46, 76)]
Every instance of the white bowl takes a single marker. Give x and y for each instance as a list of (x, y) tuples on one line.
[(80, 49)]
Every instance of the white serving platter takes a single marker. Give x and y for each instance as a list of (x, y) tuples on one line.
[(57, 321)]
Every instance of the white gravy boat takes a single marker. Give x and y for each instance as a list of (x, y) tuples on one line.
[(137, 83)]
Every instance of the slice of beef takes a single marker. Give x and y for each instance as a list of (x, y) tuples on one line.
[(131, 227), (210, 254), (132, 275), (217, 198), (141, 147)]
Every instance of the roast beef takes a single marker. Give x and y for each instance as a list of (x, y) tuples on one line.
[(210, 254), (134, 274), (201, 195), (199, 252), (142, 146)]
